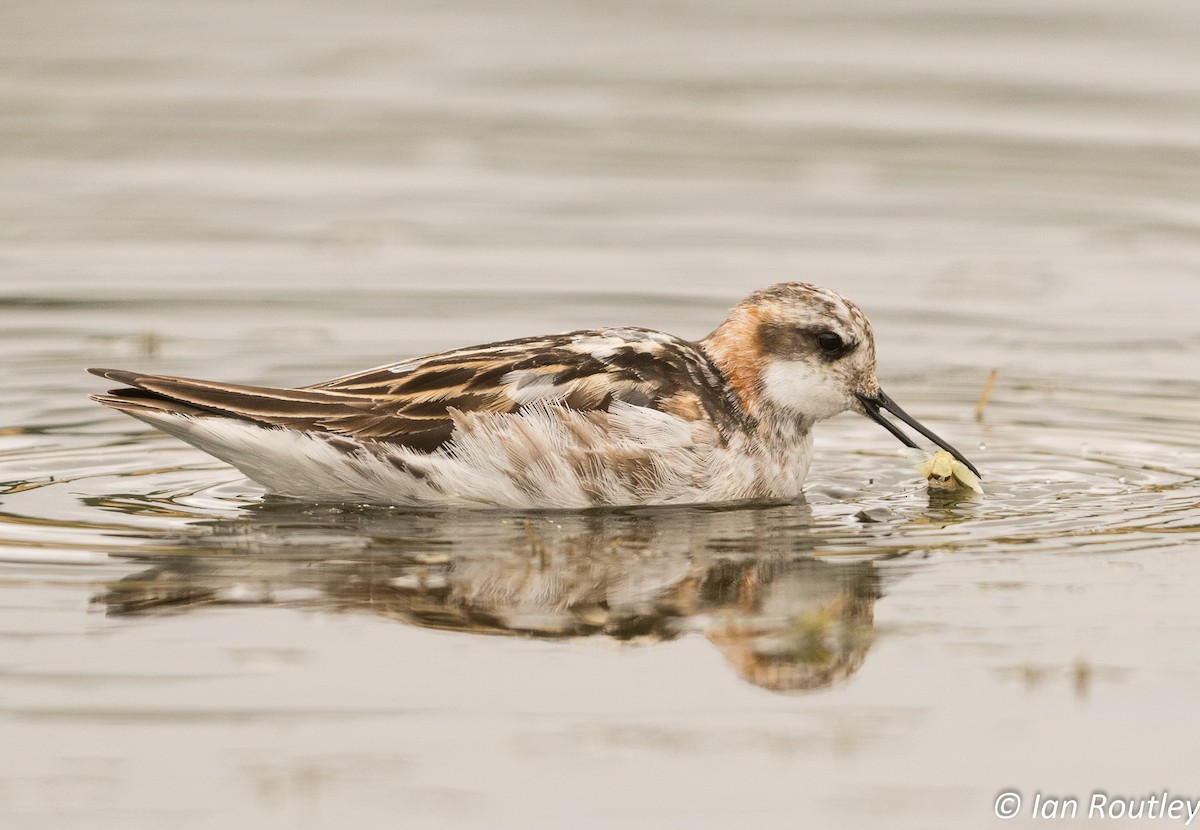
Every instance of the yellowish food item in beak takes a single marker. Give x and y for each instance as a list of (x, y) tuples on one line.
[(942, 470)]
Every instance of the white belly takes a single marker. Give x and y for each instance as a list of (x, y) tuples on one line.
[(546, 456)]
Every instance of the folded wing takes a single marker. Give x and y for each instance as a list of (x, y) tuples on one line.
[(409, 403)]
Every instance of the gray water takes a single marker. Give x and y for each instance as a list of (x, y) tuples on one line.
[(280, 193)]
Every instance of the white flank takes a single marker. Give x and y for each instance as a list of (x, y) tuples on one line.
[(545, 456)]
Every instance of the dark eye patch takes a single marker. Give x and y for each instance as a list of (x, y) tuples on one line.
[(790, 343), (830, 343)]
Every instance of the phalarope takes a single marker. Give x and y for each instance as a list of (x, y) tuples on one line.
[(604, 417)]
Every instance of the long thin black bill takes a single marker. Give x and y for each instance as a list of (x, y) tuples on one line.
[(883, 401)]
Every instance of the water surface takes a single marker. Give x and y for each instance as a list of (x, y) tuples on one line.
[(285, 193)]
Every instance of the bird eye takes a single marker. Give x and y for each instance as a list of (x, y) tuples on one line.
[(830, 343)]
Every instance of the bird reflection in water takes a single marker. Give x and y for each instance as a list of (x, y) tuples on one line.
[(746, 579)]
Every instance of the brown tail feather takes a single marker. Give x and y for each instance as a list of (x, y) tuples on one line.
[(260, 404), (133, 403)]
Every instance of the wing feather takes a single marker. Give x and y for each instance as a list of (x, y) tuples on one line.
[(413, 403)]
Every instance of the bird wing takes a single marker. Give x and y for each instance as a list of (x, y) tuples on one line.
[(409, 403)]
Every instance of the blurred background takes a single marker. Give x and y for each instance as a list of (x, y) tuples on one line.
[(281, 192), (1034, 164)]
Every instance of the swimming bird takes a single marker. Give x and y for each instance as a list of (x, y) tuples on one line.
[(603, 417)]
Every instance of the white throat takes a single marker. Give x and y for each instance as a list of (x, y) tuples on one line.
[(803, 391)]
